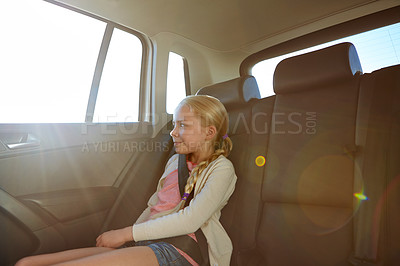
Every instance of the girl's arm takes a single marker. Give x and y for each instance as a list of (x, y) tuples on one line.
[(215, 194)]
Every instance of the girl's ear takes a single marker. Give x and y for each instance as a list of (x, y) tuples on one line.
[(211, 132)]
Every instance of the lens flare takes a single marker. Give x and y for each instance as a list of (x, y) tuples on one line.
[(360, 196), (260, 161)]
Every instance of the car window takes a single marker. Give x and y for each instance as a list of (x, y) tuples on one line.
[(176, 82), (376, 49), (49, 55), (118, 94)]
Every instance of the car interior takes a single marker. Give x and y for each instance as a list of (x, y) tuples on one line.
[(317, 161)]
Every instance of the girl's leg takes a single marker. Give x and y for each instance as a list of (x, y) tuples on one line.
[(141, 255), (53, 258)]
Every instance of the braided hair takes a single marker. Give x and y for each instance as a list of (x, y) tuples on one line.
[(212, 113)]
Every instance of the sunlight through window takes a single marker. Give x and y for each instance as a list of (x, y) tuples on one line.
[(118, 96), (176, 88), (376, 49), (48, 56)]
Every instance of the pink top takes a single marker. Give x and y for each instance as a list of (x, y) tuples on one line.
[(168, 197)]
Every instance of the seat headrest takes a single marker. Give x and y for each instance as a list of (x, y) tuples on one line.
[(326, 66), (233, 92)]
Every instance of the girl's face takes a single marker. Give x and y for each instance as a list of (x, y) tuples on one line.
[(189, 136)]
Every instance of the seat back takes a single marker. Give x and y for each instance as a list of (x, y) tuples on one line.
[(378, 172), (237, 95), (307, 191), (306, 206), (319, 135)]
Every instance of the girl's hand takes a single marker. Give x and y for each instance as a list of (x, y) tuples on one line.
[(114, 238)]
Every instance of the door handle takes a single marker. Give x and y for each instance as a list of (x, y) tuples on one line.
[(23, 145), (20, 140)]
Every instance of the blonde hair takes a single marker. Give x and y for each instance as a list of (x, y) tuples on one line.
[(212, 113)]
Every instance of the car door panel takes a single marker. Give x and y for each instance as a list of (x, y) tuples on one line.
[(16, 239), (76, 214), (69, 157), (68, 205), (57, 193), (59, 170), (34, 234)]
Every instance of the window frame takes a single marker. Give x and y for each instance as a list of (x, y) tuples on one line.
[(345, 29), (186, 76), (146, 53)]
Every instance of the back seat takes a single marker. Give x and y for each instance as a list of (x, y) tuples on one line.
[(299, 208), (238, 95), (376, 225), (307, 190)]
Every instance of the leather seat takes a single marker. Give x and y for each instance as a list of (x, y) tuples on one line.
[(319, 137), (237, 95)]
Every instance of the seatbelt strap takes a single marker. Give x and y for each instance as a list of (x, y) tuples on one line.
[(184, 243), (183, 173), (373, 162), (187, 245)]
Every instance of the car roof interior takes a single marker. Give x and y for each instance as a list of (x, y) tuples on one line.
[(227, 34), (249, 24)]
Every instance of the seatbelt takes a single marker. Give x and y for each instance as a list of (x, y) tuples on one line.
[(367, 222), (184, 242), (187, 245), (183, 175)]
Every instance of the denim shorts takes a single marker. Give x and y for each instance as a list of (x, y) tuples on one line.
[(166, 253)]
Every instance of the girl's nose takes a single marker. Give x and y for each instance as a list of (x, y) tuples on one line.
[(173, 132)]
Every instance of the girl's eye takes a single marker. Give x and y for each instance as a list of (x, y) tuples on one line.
[(178, 124)]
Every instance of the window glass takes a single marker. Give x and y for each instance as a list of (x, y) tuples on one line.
[(176, 86), (376, 49), (48, 56), (118, 95)]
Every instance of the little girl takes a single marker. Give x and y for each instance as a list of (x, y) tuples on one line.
[(200, 132)]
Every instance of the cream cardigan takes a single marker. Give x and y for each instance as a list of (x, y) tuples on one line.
[(217, 182)]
